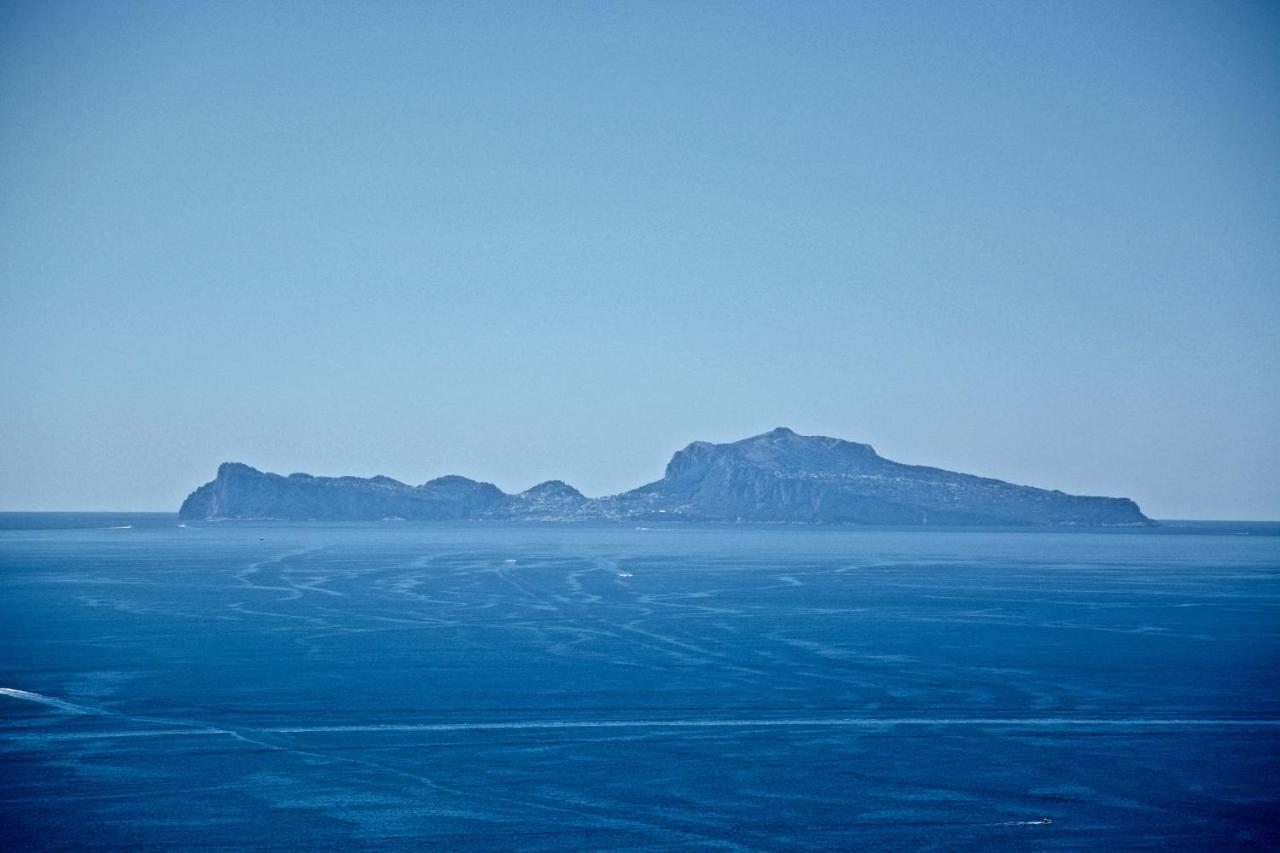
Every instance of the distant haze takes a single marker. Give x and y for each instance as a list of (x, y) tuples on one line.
[(520, 241)]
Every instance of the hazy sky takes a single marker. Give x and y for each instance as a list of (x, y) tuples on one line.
[(530, 240)]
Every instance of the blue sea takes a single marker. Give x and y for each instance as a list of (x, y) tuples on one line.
[(492, 687)]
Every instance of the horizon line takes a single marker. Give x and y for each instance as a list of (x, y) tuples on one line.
[(1032, 528)]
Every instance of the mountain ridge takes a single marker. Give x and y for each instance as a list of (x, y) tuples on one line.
[(777, 476)]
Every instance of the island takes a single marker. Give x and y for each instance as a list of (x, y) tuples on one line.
[(776, 477)]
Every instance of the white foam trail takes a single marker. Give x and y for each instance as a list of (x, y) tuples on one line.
[(688, 723), (15, 693), (829, 722), (545, 725), (45, 738), (120, 527)]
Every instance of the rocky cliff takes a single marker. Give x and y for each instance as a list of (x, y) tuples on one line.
[(782, 476)]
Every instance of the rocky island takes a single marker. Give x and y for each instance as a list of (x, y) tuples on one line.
[(775, 477)]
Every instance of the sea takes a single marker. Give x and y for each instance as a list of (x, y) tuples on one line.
[(485, 686)]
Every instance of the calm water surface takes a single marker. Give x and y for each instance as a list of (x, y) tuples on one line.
[(494, 687)]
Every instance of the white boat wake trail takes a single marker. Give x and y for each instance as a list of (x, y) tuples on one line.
[(189, 728), (14, 693), (797, 722)]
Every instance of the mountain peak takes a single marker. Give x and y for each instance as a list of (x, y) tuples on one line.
[(229, 468), (450, 480), (552, 488), (787, 436), (554, 500)]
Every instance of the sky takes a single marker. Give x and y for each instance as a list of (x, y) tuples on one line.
[(522, 241)]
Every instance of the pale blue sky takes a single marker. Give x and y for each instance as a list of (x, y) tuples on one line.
[(530, 240)]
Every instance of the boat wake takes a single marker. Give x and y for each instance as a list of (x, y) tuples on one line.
[(785, 722), (40, 698), (190, 727)]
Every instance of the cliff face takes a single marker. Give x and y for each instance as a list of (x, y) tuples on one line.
[(782, 476), (775, 477)]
